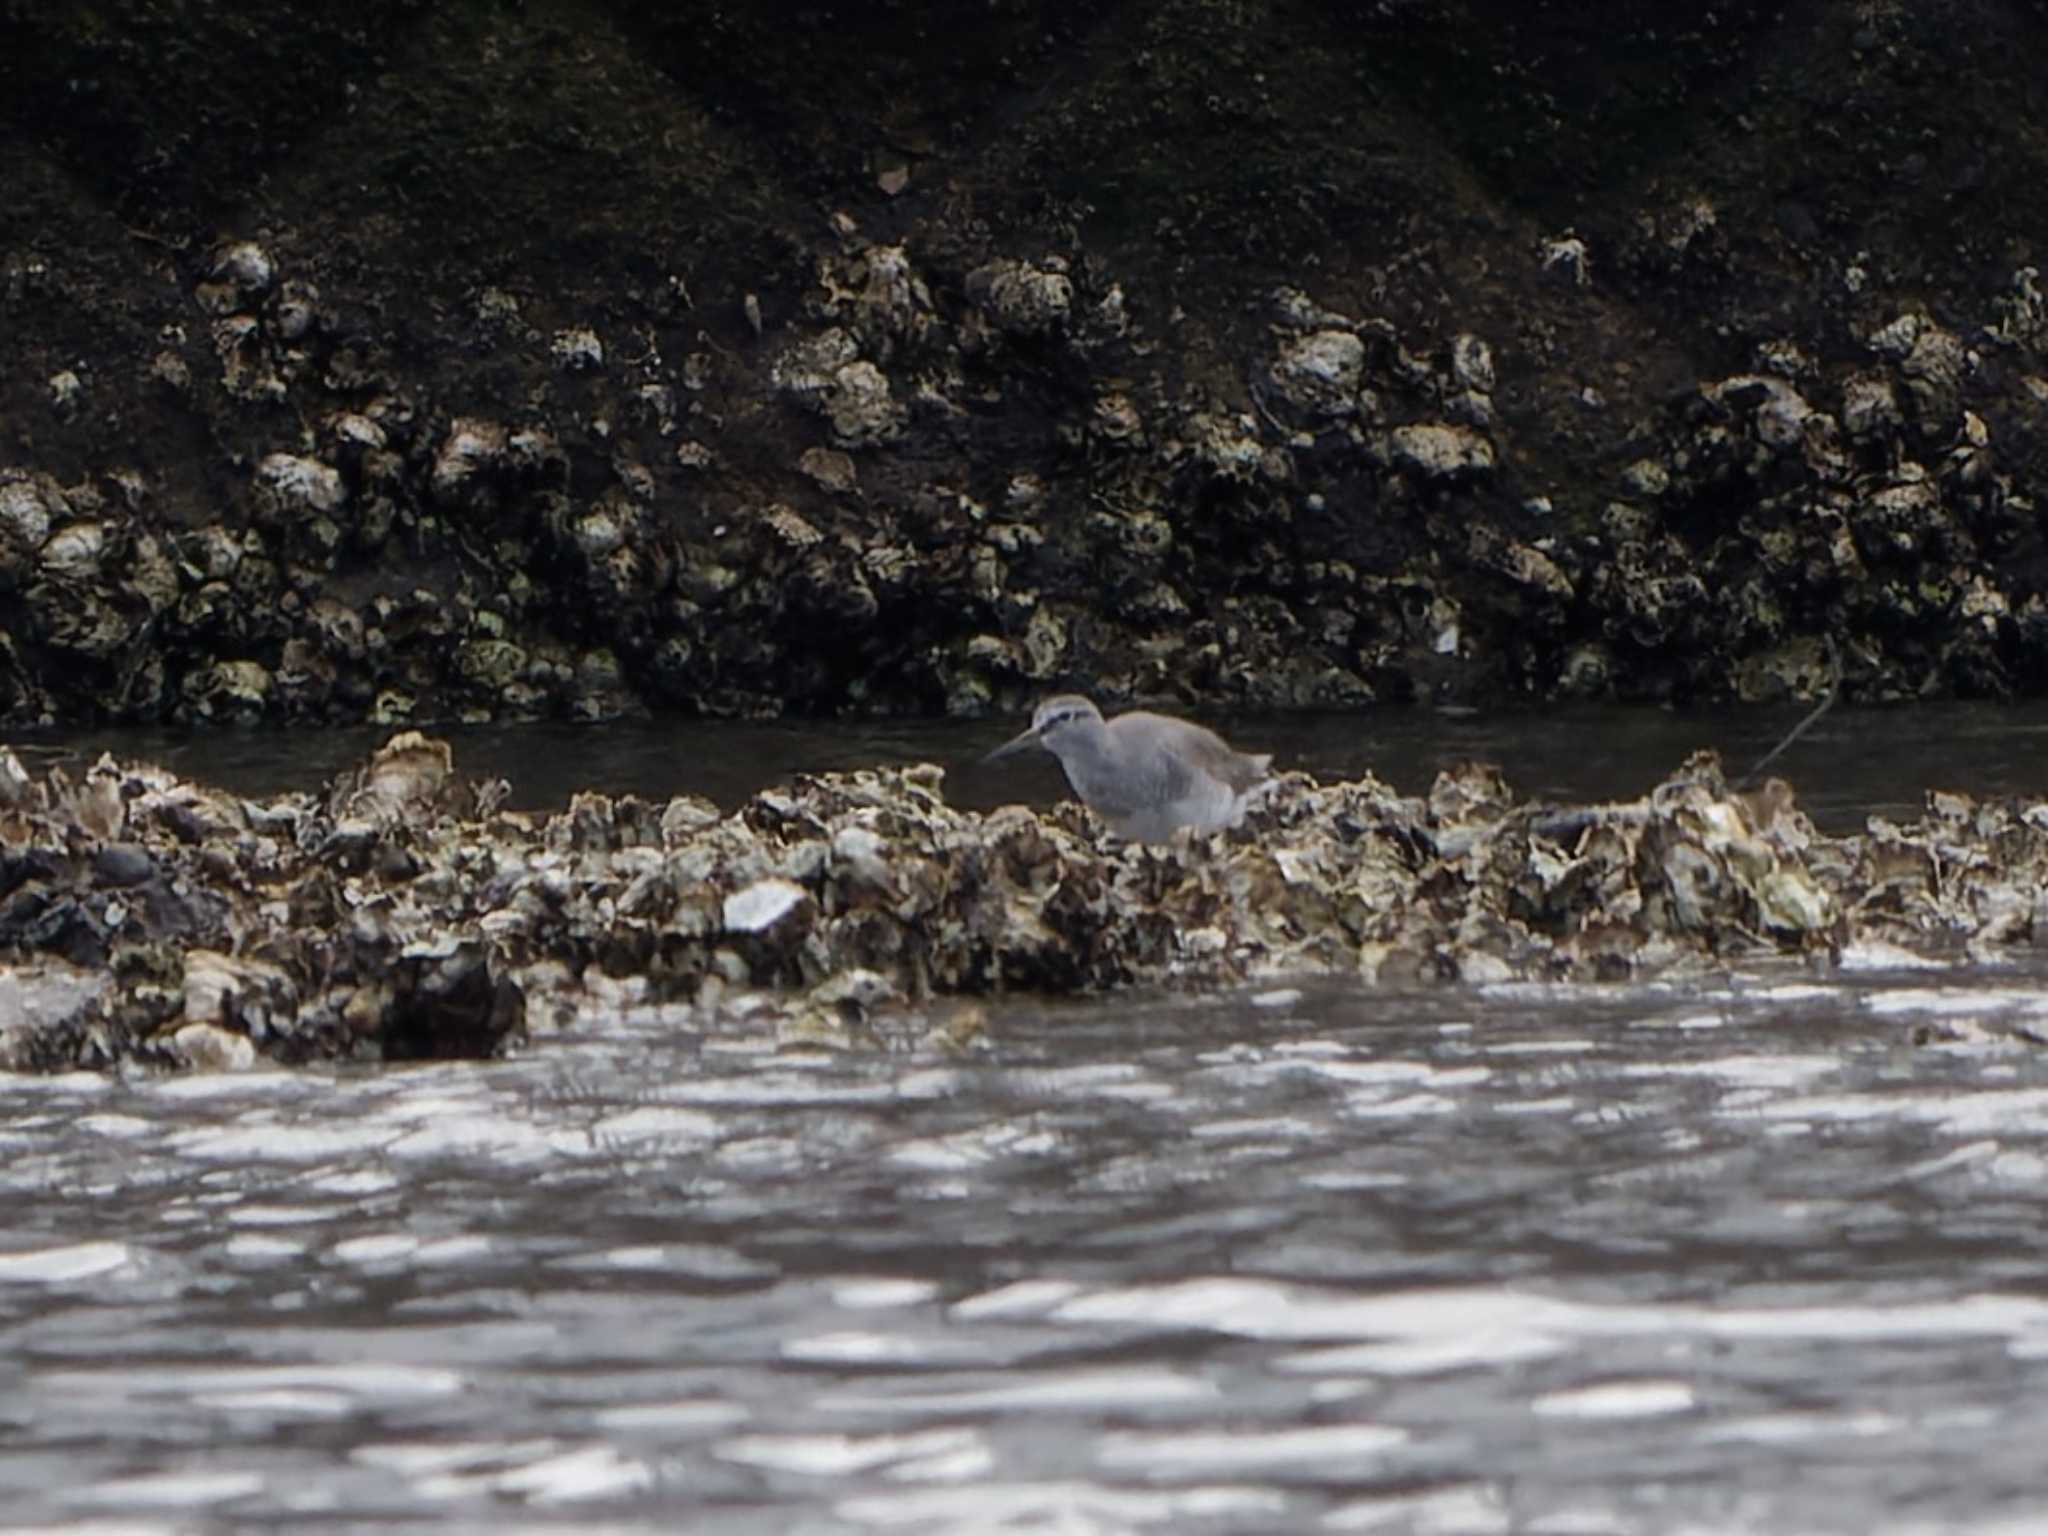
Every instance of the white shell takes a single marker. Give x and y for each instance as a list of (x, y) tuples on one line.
[(761, 905)]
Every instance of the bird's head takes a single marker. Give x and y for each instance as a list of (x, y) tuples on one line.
[(1062, 717)]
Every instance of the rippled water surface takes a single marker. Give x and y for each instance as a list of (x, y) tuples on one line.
[(1729, 1256)]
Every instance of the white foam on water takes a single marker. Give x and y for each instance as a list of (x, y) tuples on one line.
[(179, 1490), (1616, 1400), (990, 1508), (354, 1182), (1465, 1511), (247, 1145), (1798, 1428), (675, 1415), (361, 1383), (1280, 1129), (375, 1248), (486, 1134), (1551, 1106), (198, 1086), (426, 1458), (1262, 1309), (285, 1215), (1246, 1451), (1741, 1071), (454, 1250), (1568, 1046), (2017, 1112), (841, 1455), (1941, 1002), (576, 1476), (115, 1127), (1478, 1348), (1098, 1390), (672, 1125), (866, 1294), (281, 1403), (1021, 1298), (61, 1266), (854, 1347)]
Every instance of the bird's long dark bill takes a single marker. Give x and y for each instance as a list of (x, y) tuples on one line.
[(1015, 744)]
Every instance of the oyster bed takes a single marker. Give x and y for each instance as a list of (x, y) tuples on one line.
[(404, 912)]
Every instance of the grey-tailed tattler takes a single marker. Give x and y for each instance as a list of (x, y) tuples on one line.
[(1146, 775)]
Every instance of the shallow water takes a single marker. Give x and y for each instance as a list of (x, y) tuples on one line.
[(1720, 1257), (1852, 763)]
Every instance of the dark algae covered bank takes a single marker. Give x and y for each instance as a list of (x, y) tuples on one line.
[(402, 362)]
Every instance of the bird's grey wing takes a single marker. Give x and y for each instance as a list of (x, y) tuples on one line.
[(1173, 771), (1129, 789), (1216, 757)]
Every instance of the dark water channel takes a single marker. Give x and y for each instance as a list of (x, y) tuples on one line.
[(1854, 762), (1723, 1256)]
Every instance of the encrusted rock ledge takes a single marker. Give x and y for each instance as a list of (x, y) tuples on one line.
[(404, 912)]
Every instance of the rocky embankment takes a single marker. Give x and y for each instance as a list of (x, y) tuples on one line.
[(406, 362), (404, 912)]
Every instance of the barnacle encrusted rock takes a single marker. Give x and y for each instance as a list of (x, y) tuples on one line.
[(1329, 372), (403, 912), (1440, 450), (1022, 297), (298, 486), (29, 503), (1320, 372)]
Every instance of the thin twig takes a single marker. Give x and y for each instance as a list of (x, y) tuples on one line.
[(1259, 400), (1812, 717)]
